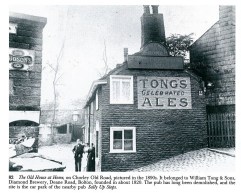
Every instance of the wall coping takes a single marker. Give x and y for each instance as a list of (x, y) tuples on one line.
[(20, 17)]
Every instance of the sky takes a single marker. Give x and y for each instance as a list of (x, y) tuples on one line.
[(87, 29)]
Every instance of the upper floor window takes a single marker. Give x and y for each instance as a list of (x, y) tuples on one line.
[(121, 89)]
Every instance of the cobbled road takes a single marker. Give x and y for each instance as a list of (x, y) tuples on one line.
[(202, 160)]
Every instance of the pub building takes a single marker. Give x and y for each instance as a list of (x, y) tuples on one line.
[(25, 68), (148, 108)]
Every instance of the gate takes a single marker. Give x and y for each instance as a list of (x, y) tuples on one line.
[(77, 132), (221, 128)]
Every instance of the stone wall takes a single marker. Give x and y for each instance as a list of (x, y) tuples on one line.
[(25, 86), (213, 57)]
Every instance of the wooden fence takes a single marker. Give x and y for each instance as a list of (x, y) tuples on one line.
[(221, 129)]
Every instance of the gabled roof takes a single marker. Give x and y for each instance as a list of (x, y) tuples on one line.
[(102, 81), (190, 47), (92, 90), (118, 66)]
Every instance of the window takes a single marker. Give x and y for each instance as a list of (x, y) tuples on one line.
[(121, 89), (122, 139), (62, 129), (96, 100)]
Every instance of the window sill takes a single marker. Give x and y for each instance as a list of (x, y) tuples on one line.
[(122, 151), (62, 133), (121, 103)]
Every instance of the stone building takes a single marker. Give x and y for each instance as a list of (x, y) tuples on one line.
[(148, 108), (212, 56), (25, 68)]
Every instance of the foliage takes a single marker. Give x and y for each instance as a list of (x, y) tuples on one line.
[(178, 44)]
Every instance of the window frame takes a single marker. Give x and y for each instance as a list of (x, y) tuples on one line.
[(112, 129), (125, 77)]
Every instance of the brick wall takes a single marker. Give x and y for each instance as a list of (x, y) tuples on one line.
[(25, 85), (160, 134), (213, 56), (62, 138)]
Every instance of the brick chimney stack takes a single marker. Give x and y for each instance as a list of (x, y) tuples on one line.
[(146, 9), (152, 26), (153, 53)]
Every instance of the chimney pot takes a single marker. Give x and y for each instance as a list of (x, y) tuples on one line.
[(125, 54), (154, 9), (146, 9)]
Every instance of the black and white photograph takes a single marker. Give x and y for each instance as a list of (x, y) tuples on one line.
[(122, 88)]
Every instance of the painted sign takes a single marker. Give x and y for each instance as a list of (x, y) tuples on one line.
[(13, 28), (20, 59), (164, 92)]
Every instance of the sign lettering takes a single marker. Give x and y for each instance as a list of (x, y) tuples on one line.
[(20, 59), (164, 92)]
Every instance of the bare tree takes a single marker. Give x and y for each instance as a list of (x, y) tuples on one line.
[(57, 77), (106, 68), (55, 67)]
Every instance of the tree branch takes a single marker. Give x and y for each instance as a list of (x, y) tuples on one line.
[(59, 78)]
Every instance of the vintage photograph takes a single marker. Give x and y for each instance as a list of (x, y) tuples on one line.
[(122, 88)]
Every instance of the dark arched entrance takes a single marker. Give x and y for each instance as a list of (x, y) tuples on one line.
[(26, 128)]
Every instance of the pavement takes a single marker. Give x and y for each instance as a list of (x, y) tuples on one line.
[(60, 152), (203, 160)]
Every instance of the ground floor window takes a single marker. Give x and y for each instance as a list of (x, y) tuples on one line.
[(62, 129), (122, 139)]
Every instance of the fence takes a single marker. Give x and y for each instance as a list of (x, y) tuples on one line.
[(221, 129)]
